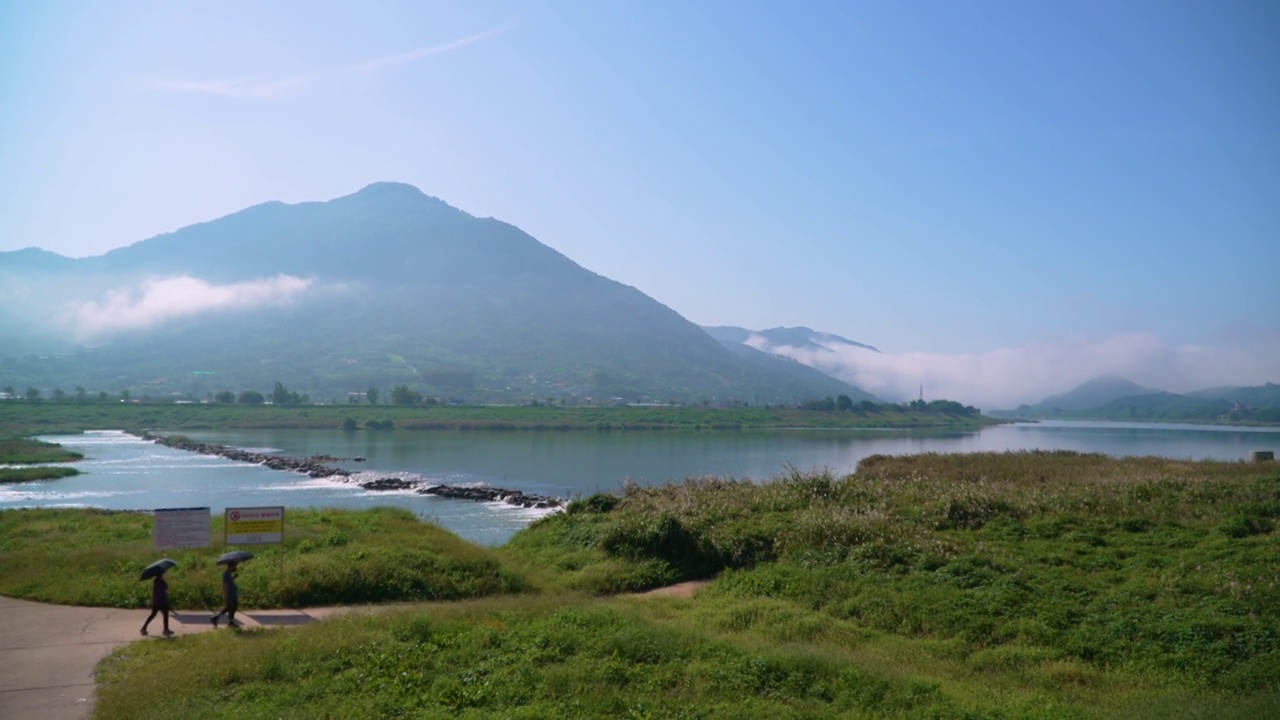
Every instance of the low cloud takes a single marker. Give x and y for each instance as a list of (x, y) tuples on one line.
[(1008, 377), (161, 300)]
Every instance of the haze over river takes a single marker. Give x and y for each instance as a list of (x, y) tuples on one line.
[(123, 472)]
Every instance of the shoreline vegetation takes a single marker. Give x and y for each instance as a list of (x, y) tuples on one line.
[(21, 417), (1021, 584), (33, 454), (1221, 422)]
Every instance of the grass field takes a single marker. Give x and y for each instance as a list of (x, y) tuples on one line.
[(1051, 585), (94, 557)]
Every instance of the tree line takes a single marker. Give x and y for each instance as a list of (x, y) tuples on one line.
[(279, 395), (844, 403)]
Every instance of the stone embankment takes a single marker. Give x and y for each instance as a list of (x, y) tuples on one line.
[(318, 466)]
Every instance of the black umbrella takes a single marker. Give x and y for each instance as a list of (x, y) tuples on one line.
[(235, 556), (157, 568)]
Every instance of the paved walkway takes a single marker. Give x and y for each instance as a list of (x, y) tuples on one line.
[(48, 653)]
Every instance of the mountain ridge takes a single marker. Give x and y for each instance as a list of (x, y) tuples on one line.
[(1107, 397), (390, 286)]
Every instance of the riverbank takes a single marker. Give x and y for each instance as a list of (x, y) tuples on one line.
[(1025, 584), (25, 451), (20, 417), (28, 454)]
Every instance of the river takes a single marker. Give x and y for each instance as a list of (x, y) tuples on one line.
[(123, 472)]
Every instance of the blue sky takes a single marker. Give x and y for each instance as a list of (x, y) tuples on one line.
[(946, 181)]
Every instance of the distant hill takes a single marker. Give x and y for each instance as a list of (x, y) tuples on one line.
[(381, 287), (825, 352), (796, 337), (35, 259), (1091, 401), (1093, 393), (797, 374), (1267, 395), (1244, 404)]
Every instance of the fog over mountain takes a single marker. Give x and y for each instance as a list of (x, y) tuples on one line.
[(1009, 377), (389, 285), (384, 286)]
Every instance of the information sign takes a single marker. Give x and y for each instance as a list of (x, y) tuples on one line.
[(182, 528), (255, 526)]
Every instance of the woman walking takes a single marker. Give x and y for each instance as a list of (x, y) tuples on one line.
[(230, 597), (159, 602)]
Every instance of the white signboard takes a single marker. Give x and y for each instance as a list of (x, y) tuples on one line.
[(182, 528), (255, 526)]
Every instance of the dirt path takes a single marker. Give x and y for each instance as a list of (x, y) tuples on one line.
[(48, 653), (679, 590)]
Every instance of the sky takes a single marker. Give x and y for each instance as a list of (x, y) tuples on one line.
[(985, 191)]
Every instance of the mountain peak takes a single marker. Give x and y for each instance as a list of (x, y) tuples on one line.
[(1095, 392), (400, 194), (387, 187)]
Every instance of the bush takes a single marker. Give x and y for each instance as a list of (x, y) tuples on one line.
[(597, 503)]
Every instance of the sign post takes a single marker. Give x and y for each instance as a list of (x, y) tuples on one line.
[(254, 526), (181, 528)]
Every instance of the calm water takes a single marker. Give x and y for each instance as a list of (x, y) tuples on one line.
[(122, 472)]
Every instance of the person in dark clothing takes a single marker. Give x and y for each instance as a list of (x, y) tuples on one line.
[(159, 603), (230, 597)]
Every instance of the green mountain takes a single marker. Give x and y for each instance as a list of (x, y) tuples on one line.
[(382, 287), (1267, 395), (1114, 398), (1091, 394)]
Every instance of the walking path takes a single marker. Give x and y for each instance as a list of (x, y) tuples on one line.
[(48, 653)]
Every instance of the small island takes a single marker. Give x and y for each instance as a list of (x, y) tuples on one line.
[(33, 453)]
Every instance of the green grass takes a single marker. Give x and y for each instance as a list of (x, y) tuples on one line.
[(1017, 585), (1141, 565), (27, 474), (25, 450), (90, 557)]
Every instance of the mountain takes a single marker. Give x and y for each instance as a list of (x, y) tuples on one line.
[(797, 375), (825, 352), (1115, 398), (35, 259), (1092, 393), (381, 287), (1236, 404), (801, 338), (1267, 395)]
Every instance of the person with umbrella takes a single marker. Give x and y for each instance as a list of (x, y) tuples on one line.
[(159, 592), (230, 593)]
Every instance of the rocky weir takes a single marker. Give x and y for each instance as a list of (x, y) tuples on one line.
[(319, 466)]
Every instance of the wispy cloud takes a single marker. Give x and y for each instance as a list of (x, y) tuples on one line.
[(160, 300), (239, 88), (262, 87), (1007, 377), (391, 61)]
